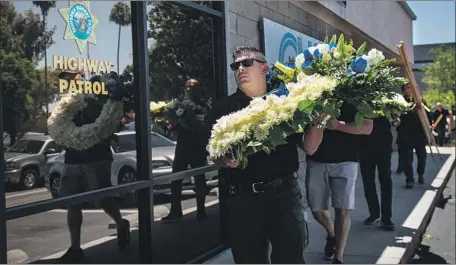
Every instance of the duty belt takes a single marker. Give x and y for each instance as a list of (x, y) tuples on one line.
[(260, 186)]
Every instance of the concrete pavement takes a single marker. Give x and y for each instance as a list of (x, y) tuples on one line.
[(370, 244), (439, 240), (45, 236)]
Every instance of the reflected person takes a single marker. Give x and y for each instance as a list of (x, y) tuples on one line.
[(190, 151), (88, 170)]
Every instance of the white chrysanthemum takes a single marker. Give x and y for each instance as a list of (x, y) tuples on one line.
[(323, 48), (299, 60), (374, 57), (64, 132)]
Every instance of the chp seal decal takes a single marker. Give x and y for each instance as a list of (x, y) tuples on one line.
[(80, 23)]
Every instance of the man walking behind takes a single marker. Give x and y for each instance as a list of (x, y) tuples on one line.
[(331, 175), (375, 154)]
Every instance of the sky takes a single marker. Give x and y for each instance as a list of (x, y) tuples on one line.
[(435, 21)]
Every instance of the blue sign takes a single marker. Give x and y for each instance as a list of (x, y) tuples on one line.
[(80, 21), (283, 44)]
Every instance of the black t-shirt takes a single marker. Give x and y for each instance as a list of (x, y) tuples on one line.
[(337, 146), (380, 140), (261, 166), (98, 152), (410, 131), (193, 141), (443, 122)]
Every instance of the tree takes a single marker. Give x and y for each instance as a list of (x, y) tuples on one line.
[(433, 96), (121, 15), (18, 77), (182, 49), (45, 6), (22, 44), (440, 75)]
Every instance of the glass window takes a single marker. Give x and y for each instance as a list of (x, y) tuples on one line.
[(51, 50), (181, 60), (26, 147)]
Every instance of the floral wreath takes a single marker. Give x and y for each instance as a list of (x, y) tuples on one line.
[(64, 132)]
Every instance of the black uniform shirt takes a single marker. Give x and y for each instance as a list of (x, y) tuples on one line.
[(337, 146), (261, 166)]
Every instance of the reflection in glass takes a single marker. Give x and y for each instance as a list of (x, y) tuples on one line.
[(181, 59), (50, 49), (27, 147)]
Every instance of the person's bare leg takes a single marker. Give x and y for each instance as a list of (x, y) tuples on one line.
[(342, 228), (324, 218), (74, 220)]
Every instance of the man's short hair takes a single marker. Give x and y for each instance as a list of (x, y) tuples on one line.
[(249, 49), (404, 86)]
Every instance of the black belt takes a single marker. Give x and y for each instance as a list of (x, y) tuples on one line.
[(260, 186)]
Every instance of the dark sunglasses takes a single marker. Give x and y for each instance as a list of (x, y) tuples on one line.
[(245, 63)]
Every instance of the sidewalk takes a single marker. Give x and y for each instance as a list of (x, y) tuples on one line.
[(370, 244)]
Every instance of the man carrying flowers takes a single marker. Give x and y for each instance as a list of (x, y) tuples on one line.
[(192, 134), (264, 201), (84, 126)]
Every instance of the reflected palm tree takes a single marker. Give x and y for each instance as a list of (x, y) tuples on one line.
[(121, 15), (45, 6)]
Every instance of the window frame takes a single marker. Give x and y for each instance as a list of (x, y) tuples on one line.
[(145, 183)]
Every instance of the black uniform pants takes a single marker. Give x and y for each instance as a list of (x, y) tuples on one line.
[(381, 162), (275, 216), (182, 159), (406, 158), (441, 135)]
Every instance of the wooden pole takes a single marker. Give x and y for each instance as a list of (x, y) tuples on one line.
[(417, 99)]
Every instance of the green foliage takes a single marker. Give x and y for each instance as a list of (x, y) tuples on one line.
[(433, 96), (23, 42), (440, 75), (182, 49)]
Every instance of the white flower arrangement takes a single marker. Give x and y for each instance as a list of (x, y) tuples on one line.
[(266, 122), (64, 131)]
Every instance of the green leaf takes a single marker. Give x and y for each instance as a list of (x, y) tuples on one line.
[(326, 39), (359, 120), (361, 49), (318, 108), (341, 42), (306, 105), (366, 110), (244, 162), (276, 137), (254, 144), (333, 39)]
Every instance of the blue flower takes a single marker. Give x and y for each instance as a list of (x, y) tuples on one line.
[(332, 45), (290, 64), (306, 64), (318, 54), (358, 65), (280, 91), (308, 56)]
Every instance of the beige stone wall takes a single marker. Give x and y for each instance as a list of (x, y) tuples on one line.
[(243, 18), (385, 21)]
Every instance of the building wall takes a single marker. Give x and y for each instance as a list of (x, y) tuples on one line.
[(243, 18), (385, 21)]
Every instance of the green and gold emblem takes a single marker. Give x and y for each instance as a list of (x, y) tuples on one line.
[(80, 23)]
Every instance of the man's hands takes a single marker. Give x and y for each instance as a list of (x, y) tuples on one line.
[(226, 162)]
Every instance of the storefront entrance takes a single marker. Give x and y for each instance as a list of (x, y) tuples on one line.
[(151, 50)]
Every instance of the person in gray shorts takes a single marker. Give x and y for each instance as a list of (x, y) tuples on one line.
[(88, 170), (331, 176)]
